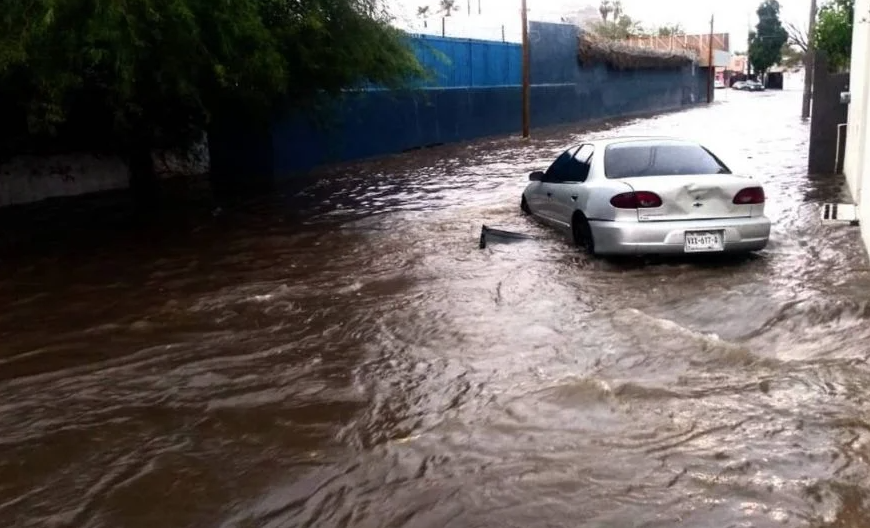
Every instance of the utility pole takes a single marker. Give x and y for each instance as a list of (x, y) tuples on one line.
[(712, 71), (748, 43), (809, 63), (479, 10), (526, 72)]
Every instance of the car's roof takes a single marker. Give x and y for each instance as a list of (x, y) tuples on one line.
[(604, 142)]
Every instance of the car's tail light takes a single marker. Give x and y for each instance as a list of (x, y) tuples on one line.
[(636, 200), (624, 201), (750, 196)]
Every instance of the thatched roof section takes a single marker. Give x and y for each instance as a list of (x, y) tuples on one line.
[(622, 56)]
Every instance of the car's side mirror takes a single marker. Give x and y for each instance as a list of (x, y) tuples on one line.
[(536, 176)]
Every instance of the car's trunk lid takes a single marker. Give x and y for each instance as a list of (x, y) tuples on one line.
[(706, 196)]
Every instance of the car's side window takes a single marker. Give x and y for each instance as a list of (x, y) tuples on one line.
[(560, 168), (578, 169)]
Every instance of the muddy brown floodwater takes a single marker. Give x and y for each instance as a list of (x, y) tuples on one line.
[(347, 356)]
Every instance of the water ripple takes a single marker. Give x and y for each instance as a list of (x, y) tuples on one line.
[(342, 354)]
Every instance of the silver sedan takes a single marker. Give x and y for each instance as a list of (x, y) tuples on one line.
[(645, 195)]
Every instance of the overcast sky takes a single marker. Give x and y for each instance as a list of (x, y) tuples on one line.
[(731, 16)]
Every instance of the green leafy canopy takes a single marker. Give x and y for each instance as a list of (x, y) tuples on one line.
[(765, 43), (833, 33), (108, 73)]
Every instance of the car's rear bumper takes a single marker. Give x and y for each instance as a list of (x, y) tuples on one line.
[(635, 238)]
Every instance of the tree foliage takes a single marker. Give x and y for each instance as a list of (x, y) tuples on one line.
[(797, 36), (670, 30), (792, 56), (605, 8), (765, 43), (621, 29), (833, 33), (608, 7), (615, 24), (448, 6), (136, 75)]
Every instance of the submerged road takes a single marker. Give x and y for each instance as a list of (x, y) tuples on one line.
[(346, 356)]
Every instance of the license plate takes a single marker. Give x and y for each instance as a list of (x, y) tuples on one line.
[(703, 241)]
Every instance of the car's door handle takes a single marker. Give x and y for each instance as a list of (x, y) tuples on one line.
[(574, 197), (549, 195)]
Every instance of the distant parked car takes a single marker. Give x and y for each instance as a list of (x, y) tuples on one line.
[(748, 86), (648, 196)]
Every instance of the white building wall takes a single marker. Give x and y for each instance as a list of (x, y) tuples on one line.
[(859, 82), (856, 160), (863, 180), (28, 179)]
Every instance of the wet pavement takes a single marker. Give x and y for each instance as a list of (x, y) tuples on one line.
[(347, 356)]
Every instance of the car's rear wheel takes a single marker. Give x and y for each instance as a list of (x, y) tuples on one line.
[(583, 233), (524, 206)]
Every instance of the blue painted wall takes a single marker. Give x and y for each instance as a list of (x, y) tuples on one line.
[(575, 93), (474, 92), (461, 63)]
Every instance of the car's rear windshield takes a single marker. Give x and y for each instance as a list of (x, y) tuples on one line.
[(658, 158)]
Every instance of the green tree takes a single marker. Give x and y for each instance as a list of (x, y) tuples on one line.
[(605, 8), (617, 9), (621, 28), (797, 36), (615, 24), (765, 45), (424, 12), (670, 30), (132, 77), (833, 33), (448, 6), (792, 56)]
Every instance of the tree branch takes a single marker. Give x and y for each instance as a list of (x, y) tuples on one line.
[(797, 36)]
